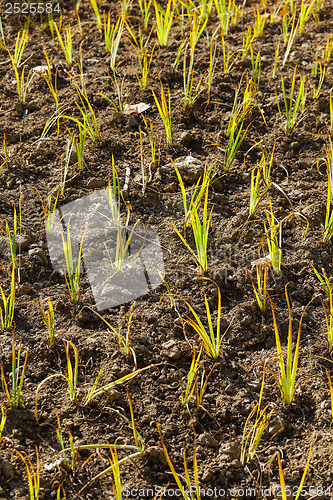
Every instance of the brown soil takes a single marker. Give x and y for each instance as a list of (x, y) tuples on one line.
[(234, 384)]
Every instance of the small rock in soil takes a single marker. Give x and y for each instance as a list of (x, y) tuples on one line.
[(22, 242), (171, 350), (7, 470), (95, 183), (206, 439), (276, 426), (231, 450), (39, 253)]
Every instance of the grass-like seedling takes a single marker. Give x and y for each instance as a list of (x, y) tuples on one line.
[(32, 473), (145, 172), (21, 40), (273, 237), (210, 339), (196, 195), (286, 490), (164, 109), (276, 56), (260, 290), (329, 384), (228, 58), (187, 490), (54, 119), (120, 103), (260, 180), (247, 42), (293, 104), (191, 379), (145, 63), (289, 40), (317, 88), (256, 69), (256, 195), (97, 391), (141, 48), (191, 92), (68, 465), (72, 372), (223, 9), (52, 86), (251, 437), (154, 149), (328, 228), (326, 287), (72, 272), (259, 23), (98, 19), (4, 156), (49, 210), (112, 37), (66, 43), (144, 6), (164, 20), (48, 318), (65, 165), (79, 144), (124, 341), (2, 36), (287, 372), (2, 422), (235, 140), (15, 400), (12, 236), (200, 232), (22, 84), (304, 15), (91, 123), (125, 7), (8, 305), (136, 450)]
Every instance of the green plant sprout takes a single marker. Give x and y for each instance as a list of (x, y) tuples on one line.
[(48, 318), (328, 228), (211, 341), (164, 20), (66, 43), (191, 379), (200, 232), (98, 19), (193, 490), (15, 400), (8, 305), (287, 371), (73, 272), (260, 290), (251, 438), (32, 473), (164, 109), (326, 287)]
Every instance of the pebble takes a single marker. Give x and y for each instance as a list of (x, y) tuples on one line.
[(230, 389), (207, 439), (95, 183), (171, 350), (276, 427), (7, 469), (186, 138), (39, 253), (231, 450), (24, 289), (22, 242)]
